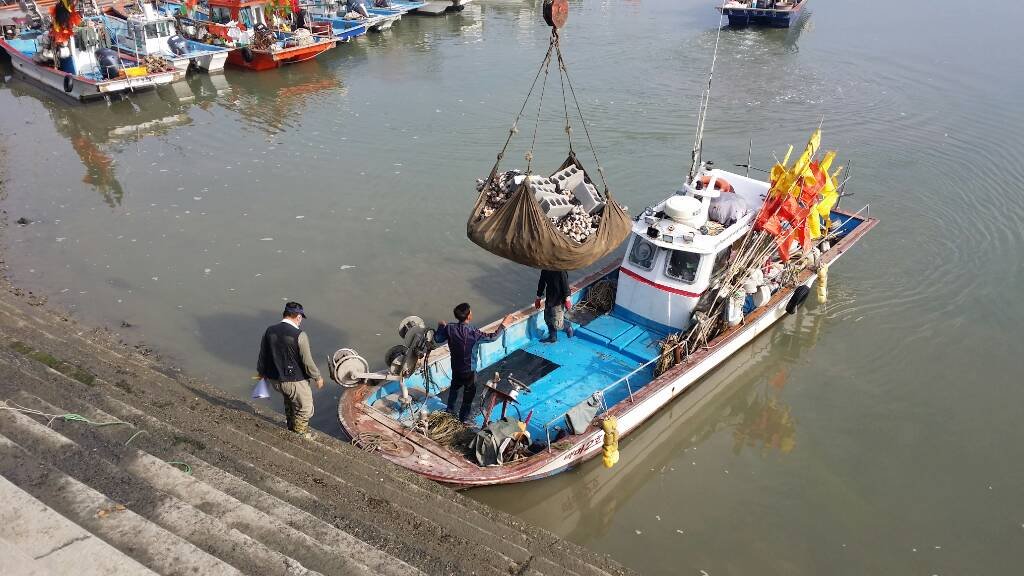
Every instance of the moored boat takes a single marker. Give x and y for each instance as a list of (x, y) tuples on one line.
[(263, 44), (376, 18), (72, 54), (638, 315), (147, 32), (772, 13)]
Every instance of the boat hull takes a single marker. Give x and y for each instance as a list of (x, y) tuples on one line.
[(213, 62), (771, 18), (268, 60), (445, 466), (82, 88)]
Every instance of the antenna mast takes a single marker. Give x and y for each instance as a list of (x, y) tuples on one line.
[(705, 99)]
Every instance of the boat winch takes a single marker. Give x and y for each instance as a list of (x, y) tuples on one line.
[(349, 369)]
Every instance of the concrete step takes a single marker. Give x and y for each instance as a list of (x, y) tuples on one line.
[(15, 562), (62, 458), (337, 553), (450, 513), (235, 514), (156, 548), (45, 542), (167, 442)]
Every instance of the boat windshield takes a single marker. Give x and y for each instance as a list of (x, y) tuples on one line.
[(682, 265), (220, 14), (642, 253), (250, 17), (158, 29)]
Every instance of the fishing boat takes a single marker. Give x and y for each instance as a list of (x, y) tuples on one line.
[(616, 366), (377, 19), (772, 13), (147, 32), (406, 6), (438, 7), (72, 54), (263, 44)]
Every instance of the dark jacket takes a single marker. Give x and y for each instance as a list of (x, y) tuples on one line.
[(553, 287), (461, 339), (284, 354)]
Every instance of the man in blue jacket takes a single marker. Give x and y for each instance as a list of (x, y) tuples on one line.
[(461, 339)]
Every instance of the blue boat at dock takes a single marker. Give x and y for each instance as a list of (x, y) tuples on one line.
[(342, 29), (770, 13)]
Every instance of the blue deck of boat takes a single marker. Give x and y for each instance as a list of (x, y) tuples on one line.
[(560, 375)]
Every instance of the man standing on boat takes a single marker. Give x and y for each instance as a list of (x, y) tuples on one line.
[(286, 362), (461, 339), (553, 290)]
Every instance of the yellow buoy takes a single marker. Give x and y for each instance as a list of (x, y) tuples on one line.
[(611, 441), (823, 283)]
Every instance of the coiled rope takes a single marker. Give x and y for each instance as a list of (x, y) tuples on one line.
[(444, 428), (600, 298), (374, 441)]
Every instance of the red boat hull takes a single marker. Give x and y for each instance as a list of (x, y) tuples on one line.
[(267, 60)]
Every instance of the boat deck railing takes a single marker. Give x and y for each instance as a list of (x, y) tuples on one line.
[(602, 393)]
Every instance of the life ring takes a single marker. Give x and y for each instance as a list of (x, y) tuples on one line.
[(69, 83), (797, 299), (721, 184), (247, 54)]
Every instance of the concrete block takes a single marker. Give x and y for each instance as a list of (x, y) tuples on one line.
[(541, 192), (568, 178), (556, 206), (588, 197)]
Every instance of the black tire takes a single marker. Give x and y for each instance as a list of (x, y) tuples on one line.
[(247, 54), (69, 83), (797, 299), (393, 353)]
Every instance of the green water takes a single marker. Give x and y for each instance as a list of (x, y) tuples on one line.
[(877, 434)]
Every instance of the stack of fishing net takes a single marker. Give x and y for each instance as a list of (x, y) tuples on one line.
[(156, 64)]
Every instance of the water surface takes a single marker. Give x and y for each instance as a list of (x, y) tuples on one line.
[(878, 433)]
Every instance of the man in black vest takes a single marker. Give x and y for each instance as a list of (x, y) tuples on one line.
[(286, 362)]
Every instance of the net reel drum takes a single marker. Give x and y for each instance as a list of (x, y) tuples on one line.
[(350, 370)]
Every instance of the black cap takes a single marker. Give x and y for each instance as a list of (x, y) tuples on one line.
[(293, 308)]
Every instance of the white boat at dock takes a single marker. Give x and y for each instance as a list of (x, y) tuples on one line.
[(76, 61), (144, 32)]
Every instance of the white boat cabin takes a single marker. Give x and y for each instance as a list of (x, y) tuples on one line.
[(678, 251)]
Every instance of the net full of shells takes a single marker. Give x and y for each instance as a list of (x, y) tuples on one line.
[(567, 197)]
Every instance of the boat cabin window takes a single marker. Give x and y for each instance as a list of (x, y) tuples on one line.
[(250, 17), (682, 265), (158, 30), (642, 253), (220, 15)]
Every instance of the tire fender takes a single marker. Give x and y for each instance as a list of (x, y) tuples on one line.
[(69, 83), (797, 299), (247, 54)]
